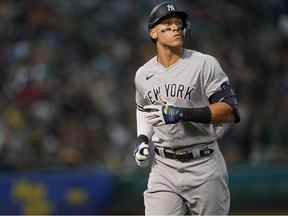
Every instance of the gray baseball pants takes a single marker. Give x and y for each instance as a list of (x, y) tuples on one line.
[(197, 187)]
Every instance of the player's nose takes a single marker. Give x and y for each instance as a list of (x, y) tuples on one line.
[(176, 27)]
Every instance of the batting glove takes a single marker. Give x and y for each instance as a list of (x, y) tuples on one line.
[(142, 154), (158, 115)]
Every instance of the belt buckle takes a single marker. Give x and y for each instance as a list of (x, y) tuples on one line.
[(181, 153), (180, 156)]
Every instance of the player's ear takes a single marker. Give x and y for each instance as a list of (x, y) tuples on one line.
[(153, 34)]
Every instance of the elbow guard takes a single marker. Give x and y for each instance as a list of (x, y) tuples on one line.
[(227, 95)]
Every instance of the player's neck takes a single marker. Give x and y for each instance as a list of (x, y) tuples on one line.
[(169, 56)]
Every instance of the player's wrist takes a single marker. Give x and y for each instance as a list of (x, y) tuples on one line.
[(142, 139), (172, 114), (141, 152), (199, 115)]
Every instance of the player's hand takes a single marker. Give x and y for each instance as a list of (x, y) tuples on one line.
[(142, 155), (158, 115)]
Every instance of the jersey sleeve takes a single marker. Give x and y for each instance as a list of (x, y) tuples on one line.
[(143, 127), (139, 93), (213, 76), (139, 99)]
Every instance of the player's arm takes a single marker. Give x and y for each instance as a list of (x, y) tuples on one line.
[(223, 108), (221, 112), (224, 105), (144, 131), (143, 127)]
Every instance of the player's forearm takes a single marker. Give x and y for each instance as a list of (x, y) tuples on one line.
[(221, 112)]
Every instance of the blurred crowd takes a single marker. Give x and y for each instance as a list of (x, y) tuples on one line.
[(67, 78)]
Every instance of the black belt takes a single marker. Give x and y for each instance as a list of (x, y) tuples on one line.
[(183, 157)]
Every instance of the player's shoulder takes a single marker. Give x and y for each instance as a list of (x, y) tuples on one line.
[(145, 68), (200, 56)]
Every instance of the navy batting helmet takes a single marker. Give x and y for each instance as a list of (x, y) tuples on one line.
[(163, 11)]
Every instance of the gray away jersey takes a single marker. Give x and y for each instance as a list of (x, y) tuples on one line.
[(187, 83)]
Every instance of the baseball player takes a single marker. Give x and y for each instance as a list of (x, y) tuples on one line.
[(181, 95)]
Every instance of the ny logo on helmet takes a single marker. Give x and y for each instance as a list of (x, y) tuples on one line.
[(170, 7)]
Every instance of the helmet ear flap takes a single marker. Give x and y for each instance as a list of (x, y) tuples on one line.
[(184, 32), (187, 27)]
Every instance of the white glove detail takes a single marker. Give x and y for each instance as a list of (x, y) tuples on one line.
[(142, 155)]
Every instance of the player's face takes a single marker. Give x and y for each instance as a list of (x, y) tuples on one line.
[(169, 32)]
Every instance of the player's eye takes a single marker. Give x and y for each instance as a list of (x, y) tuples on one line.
[(179, 28), (166, 29)]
